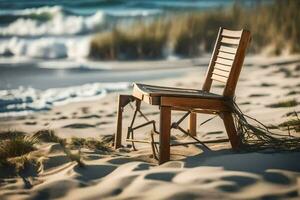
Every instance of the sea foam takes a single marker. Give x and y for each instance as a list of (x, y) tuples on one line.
[(23, 101), (58, 24), (47, 47)]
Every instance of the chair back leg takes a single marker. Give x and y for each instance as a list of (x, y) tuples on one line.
[(231, 130), (164, 136)]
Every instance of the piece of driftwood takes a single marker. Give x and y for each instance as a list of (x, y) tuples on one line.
[(225, 67)]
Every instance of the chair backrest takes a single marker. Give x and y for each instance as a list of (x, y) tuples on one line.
[(227, 59)]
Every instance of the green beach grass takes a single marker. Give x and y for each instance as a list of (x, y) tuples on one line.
[(190, 34)]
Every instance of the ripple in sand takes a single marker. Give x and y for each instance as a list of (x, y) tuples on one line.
[(79, 125), (30, 123), (259, 95), (89, 117)]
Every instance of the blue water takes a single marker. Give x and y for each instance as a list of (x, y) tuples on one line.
[(90, 6)]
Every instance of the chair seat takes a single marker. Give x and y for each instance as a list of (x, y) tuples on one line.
[(159, 91)]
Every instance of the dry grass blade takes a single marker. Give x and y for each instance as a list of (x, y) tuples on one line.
[(258, 137), (91, 143), (46, 135), (17, 146)]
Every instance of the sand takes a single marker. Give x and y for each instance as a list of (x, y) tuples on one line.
[(192, 173)]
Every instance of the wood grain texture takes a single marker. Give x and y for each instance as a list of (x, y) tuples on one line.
[(218, 78), (237, 65), (222, 67), (226, 55), (226, 40), (231, 130), (164, 136), (227, 49), (221, 73), (230, 33), (224, 61), (193, 124)]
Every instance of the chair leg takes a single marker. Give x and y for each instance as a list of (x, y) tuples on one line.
[(122, 101), (231, 130), (193, 124), (164, 137)]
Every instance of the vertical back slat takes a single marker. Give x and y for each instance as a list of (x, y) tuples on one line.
[(208, 80)]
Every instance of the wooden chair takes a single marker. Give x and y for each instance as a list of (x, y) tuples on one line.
[(225, 67)]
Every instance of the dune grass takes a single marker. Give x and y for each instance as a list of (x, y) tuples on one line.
[(16, 146), (15, 150), (5, 135), (19, 149), (147, 42), (190, 34)]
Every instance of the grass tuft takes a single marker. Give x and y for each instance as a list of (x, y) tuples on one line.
[(11, 134), (90, 143), (46, 135), (292, 123), (17, 146), (15, 151)]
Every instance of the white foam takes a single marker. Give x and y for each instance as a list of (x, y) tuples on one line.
[(47, 48), (59, 24), (36, 11), (23, 101), (133, 12)]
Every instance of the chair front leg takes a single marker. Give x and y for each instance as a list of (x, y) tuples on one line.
[(231, 130), (193, 124), (164, 137), (122, 102)]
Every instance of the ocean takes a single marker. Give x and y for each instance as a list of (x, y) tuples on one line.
[(44, 47)]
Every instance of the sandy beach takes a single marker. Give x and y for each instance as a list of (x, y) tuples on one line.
[(192, 173)]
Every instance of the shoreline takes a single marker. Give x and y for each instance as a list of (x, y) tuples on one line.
[(62, 86)]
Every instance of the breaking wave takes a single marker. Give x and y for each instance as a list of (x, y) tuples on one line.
[(58, 23), (46, 48), (45, 21), (23, 101)]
